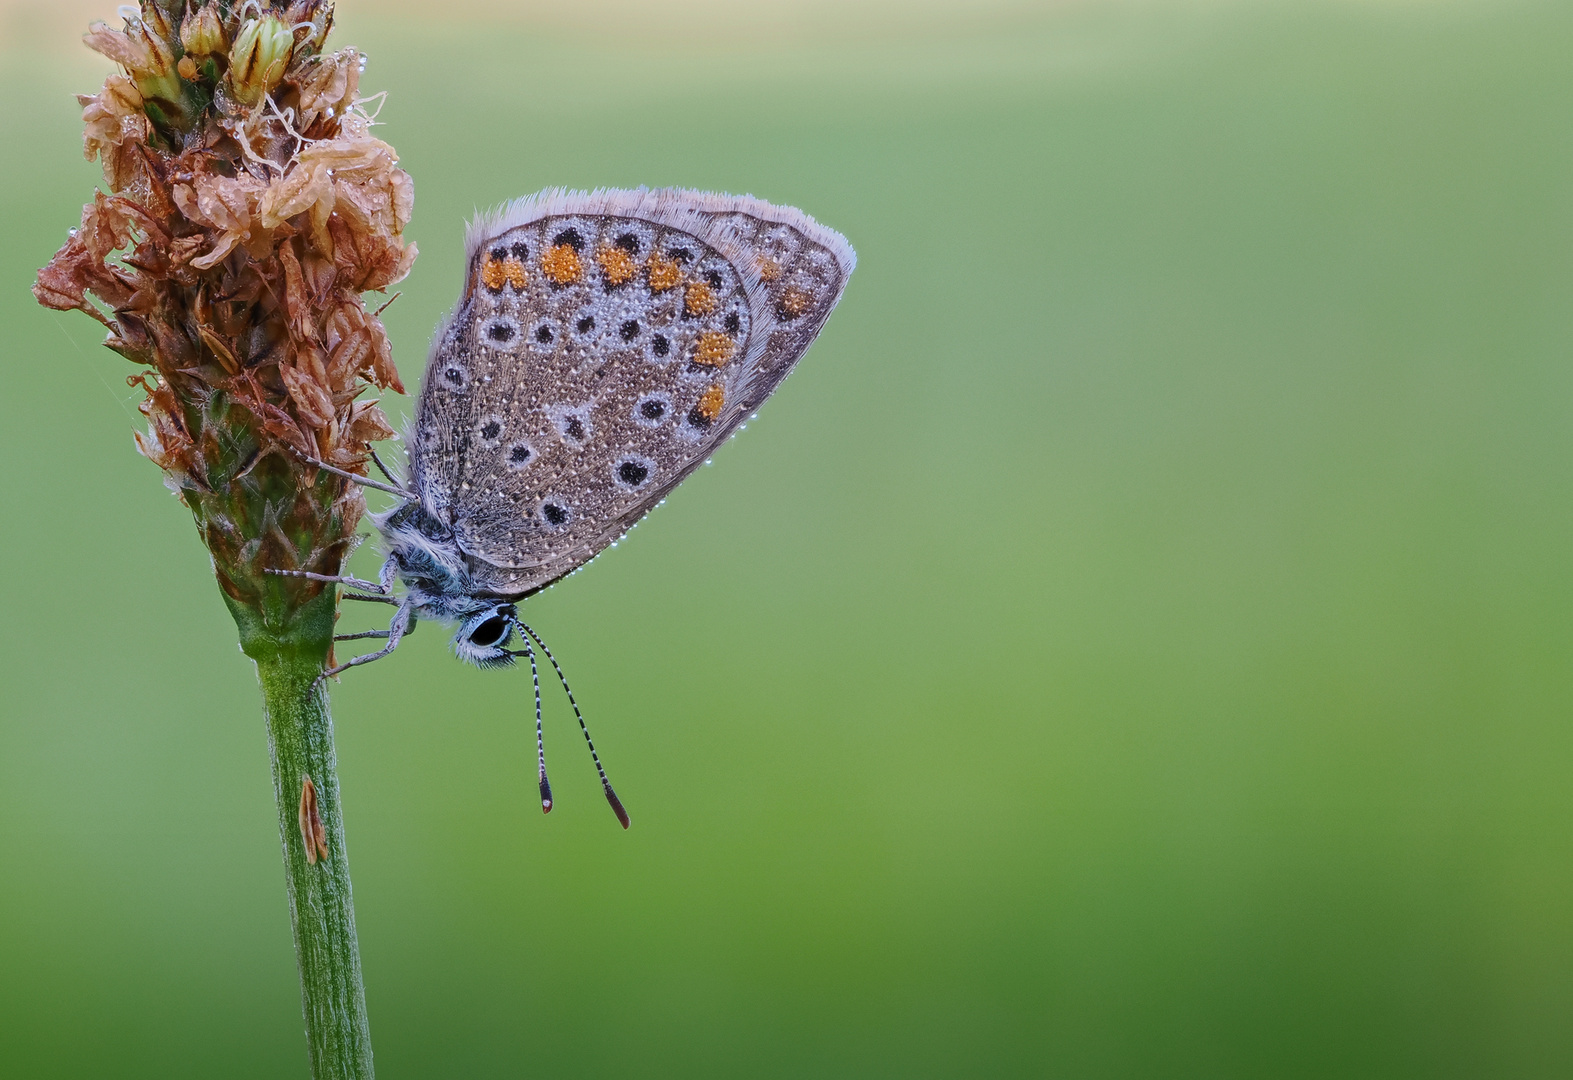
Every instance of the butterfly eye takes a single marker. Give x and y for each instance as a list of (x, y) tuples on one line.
[(490, 633)]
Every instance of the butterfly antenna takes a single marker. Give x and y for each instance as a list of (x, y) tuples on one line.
[(540, 741), (606, 785)]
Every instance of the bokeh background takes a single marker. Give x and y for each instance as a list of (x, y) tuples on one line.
[(1138, 642)]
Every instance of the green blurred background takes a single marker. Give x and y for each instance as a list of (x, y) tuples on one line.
[(1136, 643)]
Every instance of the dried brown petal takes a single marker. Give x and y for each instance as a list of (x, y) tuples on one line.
[(368, 423), (308, 186), (130, 51), (309, 396), (226, 205), (110, 119), (312, 834), (298, 307), (328, 85)]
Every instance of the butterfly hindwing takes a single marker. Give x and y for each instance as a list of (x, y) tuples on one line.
[(604, 345)]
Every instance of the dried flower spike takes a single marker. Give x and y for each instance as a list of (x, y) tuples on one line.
[(247, 208)]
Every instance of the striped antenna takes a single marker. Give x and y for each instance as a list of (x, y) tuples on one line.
[(540, 741), (606, 785)]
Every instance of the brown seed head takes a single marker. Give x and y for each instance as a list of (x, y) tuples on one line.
[(227, 260)]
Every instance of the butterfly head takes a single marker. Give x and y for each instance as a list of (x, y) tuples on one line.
[(482, 638)]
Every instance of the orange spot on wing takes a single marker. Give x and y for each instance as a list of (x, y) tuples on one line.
[(616, 264), (794, 301), (769, 269), (713, 349), (711, 401), (560, 263), (699, 298), (493, 274), (664, 273), (514, 269)]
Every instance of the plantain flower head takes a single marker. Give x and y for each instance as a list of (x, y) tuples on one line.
[(247, 208)]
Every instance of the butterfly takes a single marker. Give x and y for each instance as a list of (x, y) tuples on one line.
[(604, 345)]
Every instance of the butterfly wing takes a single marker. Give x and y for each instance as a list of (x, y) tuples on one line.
[(604, 345)]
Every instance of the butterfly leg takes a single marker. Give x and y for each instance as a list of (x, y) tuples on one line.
[(403, 620), (408, 630), (382, 592), (356, 478), (381, 589), (392, 479)]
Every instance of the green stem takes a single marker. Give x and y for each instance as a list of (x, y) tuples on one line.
[(321, 908)]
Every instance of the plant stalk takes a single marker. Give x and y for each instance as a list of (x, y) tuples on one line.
[(321, 907), (247, 209)]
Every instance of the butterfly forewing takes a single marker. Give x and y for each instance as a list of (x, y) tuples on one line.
[(604, 345)]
